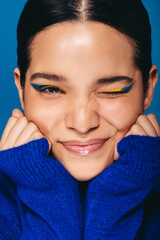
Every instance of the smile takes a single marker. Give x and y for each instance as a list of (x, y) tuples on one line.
[(84, 148)]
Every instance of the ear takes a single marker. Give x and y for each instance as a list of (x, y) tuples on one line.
[(153, 77), (17, 77)]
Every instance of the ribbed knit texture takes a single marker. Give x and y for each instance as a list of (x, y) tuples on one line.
[(39, 199), (114, 204), (45, 195)]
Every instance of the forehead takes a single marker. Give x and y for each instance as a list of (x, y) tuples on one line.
[(79, 34), (88, 45)]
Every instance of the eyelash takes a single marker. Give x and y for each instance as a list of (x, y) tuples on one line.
[(113, 93), (47, 88), (116, 92), (54, 89)]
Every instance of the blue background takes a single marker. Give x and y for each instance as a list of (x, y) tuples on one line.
[(9, 14)]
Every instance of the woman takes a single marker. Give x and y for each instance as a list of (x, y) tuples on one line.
[(84, 78)]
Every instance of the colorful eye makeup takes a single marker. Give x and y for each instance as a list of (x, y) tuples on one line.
[(54, 89), (46, 88), (120, 90)]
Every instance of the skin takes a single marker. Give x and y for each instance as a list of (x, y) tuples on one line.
[(82, 112)]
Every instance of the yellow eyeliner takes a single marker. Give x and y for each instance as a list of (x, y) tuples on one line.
[(115, 90), (122, 90)]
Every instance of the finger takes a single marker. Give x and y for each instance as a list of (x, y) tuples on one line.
[(136, 129), (35, 136), (147, 125), (26, 133), (154, 122), (116, 154), (10, 124), (17, 113), (50, 145), (38, 135), (14, 133)]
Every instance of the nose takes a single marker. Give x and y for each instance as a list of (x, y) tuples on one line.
[(82, 117)]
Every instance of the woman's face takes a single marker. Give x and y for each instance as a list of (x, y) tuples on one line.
[(72, 93)]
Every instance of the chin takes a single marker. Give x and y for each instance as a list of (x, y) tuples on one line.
[(83, 178), (85, 175), (85, 168)]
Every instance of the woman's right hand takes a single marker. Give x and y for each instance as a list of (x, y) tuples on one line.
[(19, 131)]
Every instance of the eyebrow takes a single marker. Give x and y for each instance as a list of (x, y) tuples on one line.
[(115, 79), (48, 76), (61, 78)]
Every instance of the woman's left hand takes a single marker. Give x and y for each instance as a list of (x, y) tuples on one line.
[(146, 125)]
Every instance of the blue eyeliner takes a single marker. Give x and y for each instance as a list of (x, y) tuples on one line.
[(46, 88), (38, 87), (41, 88), (121, 90)]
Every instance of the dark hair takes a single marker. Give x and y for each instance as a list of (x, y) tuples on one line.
[(127, 16)]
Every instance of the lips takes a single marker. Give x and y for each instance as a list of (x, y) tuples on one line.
[(84, 147)]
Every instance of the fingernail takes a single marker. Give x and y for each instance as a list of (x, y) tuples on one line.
[(14, 110), (116, 154)]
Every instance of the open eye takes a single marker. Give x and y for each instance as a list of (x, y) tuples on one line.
[(46, 88)]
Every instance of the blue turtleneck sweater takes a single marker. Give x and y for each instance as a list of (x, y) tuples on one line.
[(39, 199)]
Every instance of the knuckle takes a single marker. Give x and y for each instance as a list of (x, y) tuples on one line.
[(135, 128), (152, 116), (32, 126), (36, 135), (24, 120), (12, 120), (141, 118)]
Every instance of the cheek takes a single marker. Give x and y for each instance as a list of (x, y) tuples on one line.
[(121, 112), (46, 115)]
